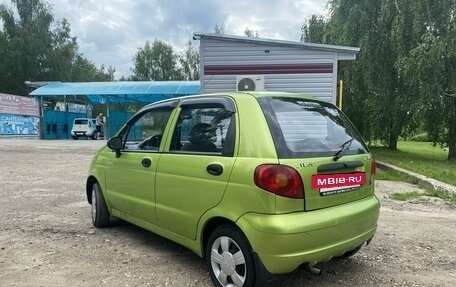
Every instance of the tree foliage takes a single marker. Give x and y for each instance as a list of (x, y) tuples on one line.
[(313, 30), (189, 63), (159, 62), (34, 47), (431, 68), (155, 62), (403, 68), (219, 29), (251, 33)]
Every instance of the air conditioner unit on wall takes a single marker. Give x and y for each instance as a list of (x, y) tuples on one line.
[(250, 83)]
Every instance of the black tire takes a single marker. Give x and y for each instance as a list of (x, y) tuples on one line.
[(75, 137), (229, 258), (100, 213)]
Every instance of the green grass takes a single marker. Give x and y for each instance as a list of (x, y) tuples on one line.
[(394, 176), (440, 194), (419, 157), (404, 196)]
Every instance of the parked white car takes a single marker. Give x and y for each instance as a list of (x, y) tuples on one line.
[(84, 127)]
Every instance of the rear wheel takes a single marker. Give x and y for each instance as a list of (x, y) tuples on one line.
[(229, 258), (100, 213), (75, 137)]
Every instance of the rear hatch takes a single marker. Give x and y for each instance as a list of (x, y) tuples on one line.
[(318, 140), (82, 125)]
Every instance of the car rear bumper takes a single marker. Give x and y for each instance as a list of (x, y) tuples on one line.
[(286, 241), (82, 134)]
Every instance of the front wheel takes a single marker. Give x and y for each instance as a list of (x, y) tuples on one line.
[(100, 213), (229, 258)]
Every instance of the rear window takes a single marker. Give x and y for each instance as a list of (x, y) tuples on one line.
[(80, 122), (307, 128)]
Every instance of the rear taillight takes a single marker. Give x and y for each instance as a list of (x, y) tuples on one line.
[(279, 179), (373, 171)]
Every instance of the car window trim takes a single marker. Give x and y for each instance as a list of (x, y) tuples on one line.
[(209, 102)]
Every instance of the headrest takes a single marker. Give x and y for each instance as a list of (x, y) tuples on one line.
[(201, 133)]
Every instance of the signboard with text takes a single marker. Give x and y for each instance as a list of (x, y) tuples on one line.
[(18, 105), (18, 125)]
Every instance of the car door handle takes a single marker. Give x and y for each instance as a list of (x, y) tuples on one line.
[(214, 169), (146, 162)]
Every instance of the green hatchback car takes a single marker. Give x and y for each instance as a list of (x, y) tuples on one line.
[(257, 184)]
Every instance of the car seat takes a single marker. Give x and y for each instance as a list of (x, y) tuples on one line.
[(201, 138)]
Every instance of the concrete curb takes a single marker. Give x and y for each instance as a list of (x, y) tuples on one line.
[(423, 181)]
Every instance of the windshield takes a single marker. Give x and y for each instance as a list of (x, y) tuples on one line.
[(307, 128)]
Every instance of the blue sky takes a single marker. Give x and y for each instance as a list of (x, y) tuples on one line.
[(110, 32)]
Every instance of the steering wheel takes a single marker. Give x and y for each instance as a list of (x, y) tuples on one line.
[(151, 143)]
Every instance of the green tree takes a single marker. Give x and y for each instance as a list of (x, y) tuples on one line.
[(378, 100), (155, 61), (405, 75), (63, 55), (189, 62), (34, 47), (28, 41), (219, 29), (83, 70), (4, 63), (251, 33), (313, 30), (431, 69)]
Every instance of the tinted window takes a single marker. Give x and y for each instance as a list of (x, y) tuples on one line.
[(80, 122), (204, 130), (306, 128)]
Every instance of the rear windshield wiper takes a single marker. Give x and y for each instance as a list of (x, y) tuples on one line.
[(343, 149)]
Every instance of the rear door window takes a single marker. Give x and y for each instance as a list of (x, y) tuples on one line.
[(206, 129), (307, 128)]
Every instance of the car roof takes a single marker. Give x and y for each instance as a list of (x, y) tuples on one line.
[(235, 95)]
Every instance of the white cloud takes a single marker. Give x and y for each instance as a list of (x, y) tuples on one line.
[(109, 32)]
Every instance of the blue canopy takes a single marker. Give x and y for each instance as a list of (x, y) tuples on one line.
[(120, 92)]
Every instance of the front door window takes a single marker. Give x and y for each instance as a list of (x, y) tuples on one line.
[(147, 132)]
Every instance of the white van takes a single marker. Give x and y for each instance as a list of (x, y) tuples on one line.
[(84, 127)]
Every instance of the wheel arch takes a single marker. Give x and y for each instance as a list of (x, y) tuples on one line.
[(210, 226), (261, 276), (91, 180)]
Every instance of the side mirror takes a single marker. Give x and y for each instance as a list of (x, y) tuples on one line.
[(115, 143)]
